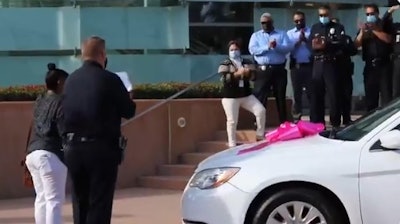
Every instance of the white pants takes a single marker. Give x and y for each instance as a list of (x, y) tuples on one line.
[(49, 177), (232, 106)]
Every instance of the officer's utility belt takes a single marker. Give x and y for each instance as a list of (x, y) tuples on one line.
[(72, 137), (324, 58), (395, 56), (270, 66), (376, 61), (300, 65)]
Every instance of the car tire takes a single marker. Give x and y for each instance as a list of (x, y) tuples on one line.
[(314, 198)]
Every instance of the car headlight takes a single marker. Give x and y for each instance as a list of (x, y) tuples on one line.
[(212, 178)]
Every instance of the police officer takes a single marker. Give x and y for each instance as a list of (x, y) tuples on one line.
[(395, 28), (375, 40), (345, 83), (95, 100), (300, 62), (326, 42)]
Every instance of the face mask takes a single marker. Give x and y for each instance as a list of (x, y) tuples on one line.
[(267, 26), (234, 54), (300, 26), (371, 19), (324, 20)]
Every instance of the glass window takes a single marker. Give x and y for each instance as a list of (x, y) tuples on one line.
[(221, 12), (367, 123), (214, 40)]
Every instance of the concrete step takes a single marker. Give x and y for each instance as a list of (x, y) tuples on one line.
[(164, 182), (215, 146), (194, 158), (176, 170), (241, 135)]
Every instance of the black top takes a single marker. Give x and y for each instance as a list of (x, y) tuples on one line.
[(47, 125), (395, 31), (232, 85), (373, 47), (94, 102), (334, 42)]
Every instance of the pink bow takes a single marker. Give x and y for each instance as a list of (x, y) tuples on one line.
[(287, 131)]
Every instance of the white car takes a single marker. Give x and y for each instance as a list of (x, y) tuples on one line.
[(354, 178)]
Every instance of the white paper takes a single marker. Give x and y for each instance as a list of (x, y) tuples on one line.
[(125, 79)]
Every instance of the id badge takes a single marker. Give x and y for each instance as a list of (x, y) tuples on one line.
[(241, 83)]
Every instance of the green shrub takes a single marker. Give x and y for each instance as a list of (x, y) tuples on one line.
[(142, 91)]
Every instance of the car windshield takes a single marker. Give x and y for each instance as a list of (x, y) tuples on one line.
[(368, 122)]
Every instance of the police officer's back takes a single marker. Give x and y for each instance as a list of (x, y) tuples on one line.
[(95, 101), (345, 81)]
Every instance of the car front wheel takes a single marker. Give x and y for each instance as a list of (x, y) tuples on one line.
[(298, 206)]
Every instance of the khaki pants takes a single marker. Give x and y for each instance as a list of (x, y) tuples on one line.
[(232, 106)]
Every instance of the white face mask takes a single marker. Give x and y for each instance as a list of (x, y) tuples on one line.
[(234, 54)]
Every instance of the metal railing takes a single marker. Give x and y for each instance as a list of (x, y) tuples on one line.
[(165, 101), (176, 95)]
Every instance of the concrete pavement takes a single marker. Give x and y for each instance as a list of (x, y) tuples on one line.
[(131, 206)]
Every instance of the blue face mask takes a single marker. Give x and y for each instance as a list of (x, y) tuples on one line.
[(234, 54), (371, 19), (324, 19)]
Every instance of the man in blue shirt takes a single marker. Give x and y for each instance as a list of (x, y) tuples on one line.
[(300, 62), (269, 48)]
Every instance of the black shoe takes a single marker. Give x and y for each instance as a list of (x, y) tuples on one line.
[(333, 132), (347, 123)]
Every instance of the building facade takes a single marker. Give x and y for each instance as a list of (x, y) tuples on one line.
[(153, 40)]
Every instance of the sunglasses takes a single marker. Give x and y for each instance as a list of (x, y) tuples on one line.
[(323, 15), (265, 22), (298, 21), (369, 14)]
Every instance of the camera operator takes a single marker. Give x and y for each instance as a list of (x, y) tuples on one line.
[(395, 32)]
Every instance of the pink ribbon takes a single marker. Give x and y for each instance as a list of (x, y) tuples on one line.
[(286, 131)]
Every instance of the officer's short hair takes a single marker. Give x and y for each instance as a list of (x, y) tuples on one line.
[(93, 46), (372, 5), (325, 7), (300, 13), (266, 14)]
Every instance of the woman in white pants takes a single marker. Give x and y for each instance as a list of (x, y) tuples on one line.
[(45, 155), (236, 73)]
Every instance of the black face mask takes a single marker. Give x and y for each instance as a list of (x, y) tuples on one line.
[(267, 26), (300, 25), (105, 63)]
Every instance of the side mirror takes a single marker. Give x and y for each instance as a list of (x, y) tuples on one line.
[(391, 140)]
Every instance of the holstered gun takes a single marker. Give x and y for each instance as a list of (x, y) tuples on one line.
[(122, 143)]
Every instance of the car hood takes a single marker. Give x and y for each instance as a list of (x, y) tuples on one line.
[(306, 147)]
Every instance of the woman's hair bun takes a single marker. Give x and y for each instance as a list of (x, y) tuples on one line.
[(51, 66)]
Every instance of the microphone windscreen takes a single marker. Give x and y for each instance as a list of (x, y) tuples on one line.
[(393, 3)]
